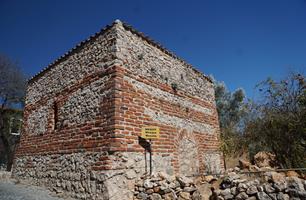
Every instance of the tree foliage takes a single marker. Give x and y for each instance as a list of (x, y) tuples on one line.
[(12, 121), (278, 121), (12, 83), (12, 90), (231, 111)]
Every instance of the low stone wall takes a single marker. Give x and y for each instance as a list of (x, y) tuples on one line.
[(162, 186), (5, 176), (65, 174), (75, 175), (271, 186)]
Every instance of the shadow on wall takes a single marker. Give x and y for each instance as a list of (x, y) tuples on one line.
[(3, 159), (148, 150)]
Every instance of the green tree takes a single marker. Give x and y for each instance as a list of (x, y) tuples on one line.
[(12, 90), (278, 122), (231, 109)]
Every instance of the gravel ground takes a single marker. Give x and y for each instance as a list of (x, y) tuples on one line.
[(11, 191)]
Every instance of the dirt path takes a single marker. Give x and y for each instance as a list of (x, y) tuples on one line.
[(11, 191)]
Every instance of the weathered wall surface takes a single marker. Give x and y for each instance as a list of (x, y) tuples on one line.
[(69, 172), (37, 121), (71, 147), (83, 105), (75, 175), (186, 112), (144, 59), (91, 58), (69, 120), (188, 157), (178, 121), (53, 126), (64, 77), (72, 92)]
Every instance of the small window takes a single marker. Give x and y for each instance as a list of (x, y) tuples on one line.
[(15, 126)]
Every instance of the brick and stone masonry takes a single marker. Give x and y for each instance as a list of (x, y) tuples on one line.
[(84, 114)]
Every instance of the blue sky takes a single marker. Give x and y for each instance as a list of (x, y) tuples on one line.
[(240, 42)]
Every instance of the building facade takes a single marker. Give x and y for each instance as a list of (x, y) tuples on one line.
[(84, 114)]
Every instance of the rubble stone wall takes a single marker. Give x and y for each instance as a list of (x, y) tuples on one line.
[(188, 157), (154, 88), (64, 172), (38, 120), (83, 105), (52, 127), (146, 60), (73, 146), (181, 117), (270, 186), (92, 57)]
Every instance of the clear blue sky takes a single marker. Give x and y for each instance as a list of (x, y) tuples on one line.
[(240, 42)]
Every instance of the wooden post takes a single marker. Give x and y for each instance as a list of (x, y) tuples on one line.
[(150, 150)]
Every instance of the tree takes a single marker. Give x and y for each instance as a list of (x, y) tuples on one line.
[(12, 91), (230, 105), (279, 122), (231, 111)]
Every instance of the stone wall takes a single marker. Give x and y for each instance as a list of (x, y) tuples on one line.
[(169, 92), (83, 105), (75, 175), (271, 186), (162, 186), (146, 60), (38, 120), (91, 57), (142, 101), (188, 157), (69, 172), (213, 162), (54, 127)]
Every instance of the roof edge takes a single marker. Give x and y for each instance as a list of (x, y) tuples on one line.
[(163, 49), (71, 51), (102, 31)]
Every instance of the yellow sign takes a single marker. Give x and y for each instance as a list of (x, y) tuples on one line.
[(150, 132)]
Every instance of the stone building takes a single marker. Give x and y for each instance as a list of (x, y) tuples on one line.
[(84, 114)]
